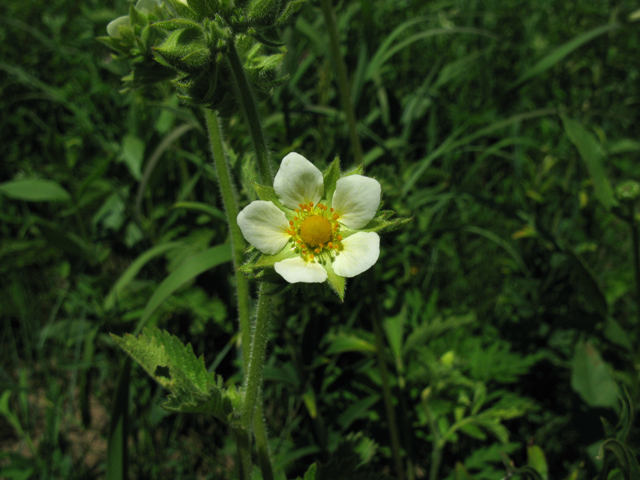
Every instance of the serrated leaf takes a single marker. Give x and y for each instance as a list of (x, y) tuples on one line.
[(34, 190), (360, 409), (432, 329), (174, 366)]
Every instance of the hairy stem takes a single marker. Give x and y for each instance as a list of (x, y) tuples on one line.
[(250, 109), (253, 377), (341, 77), (237, 240)]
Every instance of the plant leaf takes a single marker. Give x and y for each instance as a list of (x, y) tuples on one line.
[(593, 156), (174, 366), (35, 190)]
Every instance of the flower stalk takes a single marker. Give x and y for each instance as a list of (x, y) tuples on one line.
[(237, 241), (242, 285), (253, 377), (250, 109)]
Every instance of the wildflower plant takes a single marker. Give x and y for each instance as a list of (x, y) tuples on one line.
[(306, 227)]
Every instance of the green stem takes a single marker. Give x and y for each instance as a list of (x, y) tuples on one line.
[(436, 458), (262, 443), (341, 76), (237, 240), (253, 377), (243, 442), (384, 374), (242, 284), (250, 109)]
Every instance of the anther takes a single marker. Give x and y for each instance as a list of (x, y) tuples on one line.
[(335, 216)]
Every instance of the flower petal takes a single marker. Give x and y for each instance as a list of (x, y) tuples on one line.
[(264, 226), (356, 200), (295, 270), (298, 181), (361, 251)]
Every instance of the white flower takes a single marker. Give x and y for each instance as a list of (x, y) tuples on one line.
[(310, 231)]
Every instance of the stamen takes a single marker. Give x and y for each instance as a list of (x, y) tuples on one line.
[(335, 215)]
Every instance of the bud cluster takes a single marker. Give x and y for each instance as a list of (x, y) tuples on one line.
[(188, 40)]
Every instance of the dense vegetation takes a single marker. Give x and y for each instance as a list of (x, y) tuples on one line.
[(509, 306)]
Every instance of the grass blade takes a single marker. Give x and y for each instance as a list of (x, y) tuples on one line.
[(562, 51), (186, 271)]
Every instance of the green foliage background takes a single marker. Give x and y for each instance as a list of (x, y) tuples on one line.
[(509, 304)]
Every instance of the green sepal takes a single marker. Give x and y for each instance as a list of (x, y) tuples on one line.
[(137, 17), (336, 282), (270, 260), (268, 194), (114, 44), (174, 366), (357, 170), (263, 12), (183, 51), (269, 43), (385, 223), (181, 9), (330, 177), (176, 24), (202, 8), (289, 11)]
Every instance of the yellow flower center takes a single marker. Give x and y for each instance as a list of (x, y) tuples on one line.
[(315, 230)]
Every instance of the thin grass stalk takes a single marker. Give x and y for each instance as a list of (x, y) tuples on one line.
[(341, 77), (384, 374)]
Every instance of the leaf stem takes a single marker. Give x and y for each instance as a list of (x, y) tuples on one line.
[(237, 240), (341, 77), (253, 377), (250, 109)]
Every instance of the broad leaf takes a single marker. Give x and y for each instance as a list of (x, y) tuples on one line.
[(174, 366)]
